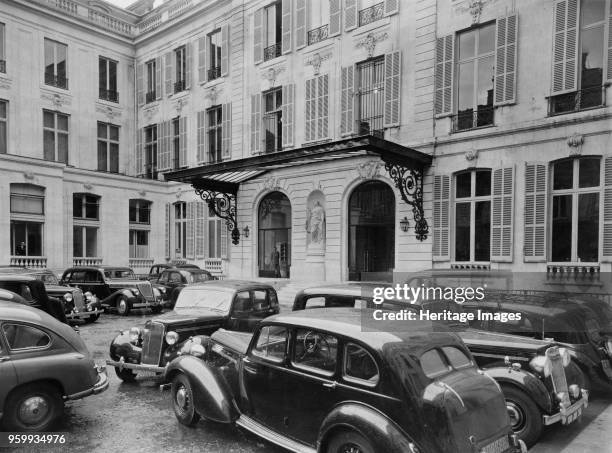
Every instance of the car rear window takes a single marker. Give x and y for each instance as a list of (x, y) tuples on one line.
[(20, 336), (359, 365), (456, 357), (433, 363)]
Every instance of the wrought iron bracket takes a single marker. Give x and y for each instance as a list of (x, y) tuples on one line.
[(223, 205), (409, 181)]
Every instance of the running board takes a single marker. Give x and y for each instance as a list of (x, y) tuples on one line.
[(272, 436)]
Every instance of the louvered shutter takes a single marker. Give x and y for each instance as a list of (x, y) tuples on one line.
[(502, 215), (226, 131), (286, 25), (444, 75), (202, 59), (607, 211), (609, 57), (565, 46), (189, 231), (163, 154), (323, 107), (201, 137), (335, 18), (167, 229), (139, 158), (199, 229), (534, 248), (350, 14), (256, 123), (393, 67), (258, 36), (287, 115), (310, 110), (300, 23), (506, 60), (225, 50), (391, 7), (441, 218), (169, 73), (347, 122), (182, 141), (140, 84), (188, 65), (224, 239), (159, 91)]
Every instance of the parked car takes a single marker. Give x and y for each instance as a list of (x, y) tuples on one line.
[(34, 294), (173, 280), (117, 288), (157, 269), (43, 362), (315, 381), (200, 310), (541, 383)]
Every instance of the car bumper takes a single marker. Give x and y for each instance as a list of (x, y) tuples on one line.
[(99, 387), (83, 314), (122, 364), (569, 414)]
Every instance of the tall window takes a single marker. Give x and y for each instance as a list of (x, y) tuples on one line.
[(214, 133), (214, 55), (108, 147), (319, 21), (140, 221), (151, 152), (473, 216), (107, 84), (475, 72), (151, 81), (176, 143), (3, 126), (2, 48), (86, 217), (274, 236), (55, 136), (272, 119), (56, 70), (180, 56), (215, 237), (272, 30), (371, 11), (371, 100), (180, 229), (576, 185), (27, 219)]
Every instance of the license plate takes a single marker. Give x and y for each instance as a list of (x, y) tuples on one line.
[(497, 446)]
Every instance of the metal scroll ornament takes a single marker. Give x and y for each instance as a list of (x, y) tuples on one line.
[(223, 205), (409, 181)]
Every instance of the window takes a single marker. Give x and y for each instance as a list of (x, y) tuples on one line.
[(85, 206), (3, 127), (272, 120), (27, 199), (473, 216), (271, 343), (215, 237), (359, 365), (26, 238), (176, 142), (140, 212), (180, 229), (151, 152), (108, 147), (214, 55), (433, 364), (214, 120), (475, 75), (315, 351), (456, 357), (27, 208), (140, 221), (19, 336), (371, 12), (107, 85), (84, 241), (55, 136), (139, 243), (2, 48), (575, 210), (86, 216), (319, 21), (56, 70), (274, 236), (371, 96), (181, 69), (151, 94), (272, 17)]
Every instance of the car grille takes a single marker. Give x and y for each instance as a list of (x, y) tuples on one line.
[(146, 290), (557, 373), (77, 299), (152, 343), (500, 445)]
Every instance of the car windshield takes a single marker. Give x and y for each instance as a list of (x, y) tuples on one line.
[(119, 273), (47, 279), (210, 299), (196, 277)]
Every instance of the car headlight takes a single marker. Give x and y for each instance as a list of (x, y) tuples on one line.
[(172, 338), (565, 356), (609, 346), (574, 390), (541, 364), (156, 292), (68, 297), (135, 291), (134, 335), (88, 296)]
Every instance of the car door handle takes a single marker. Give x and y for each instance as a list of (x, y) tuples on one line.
[(329, 385), (250, 369)]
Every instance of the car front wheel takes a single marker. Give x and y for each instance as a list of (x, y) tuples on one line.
[(33, 407), (123, 308), (349, 442), (525, 417), (182, 401)]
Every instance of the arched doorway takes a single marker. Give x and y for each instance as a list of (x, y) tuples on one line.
[(274, 236), (371, 227)]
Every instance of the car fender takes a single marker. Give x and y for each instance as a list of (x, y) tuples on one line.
[(384, 434), (525, 381), (212, 396), (111, 300), (122, 347)]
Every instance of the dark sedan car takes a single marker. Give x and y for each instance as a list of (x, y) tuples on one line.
[(173, 280), (34, 293), (200, 310), (314, 381), (157, 269)]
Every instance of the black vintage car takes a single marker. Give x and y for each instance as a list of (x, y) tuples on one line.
[(34, 293), (117, 288), (200, 310), (314, 381), (157, 269), (541, 383), (173, 280)]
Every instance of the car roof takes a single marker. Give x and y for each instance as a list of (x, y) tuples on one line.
[(6, 295), (10, 311), (228, 284), (17, 277), (354, 289), (98, 268)]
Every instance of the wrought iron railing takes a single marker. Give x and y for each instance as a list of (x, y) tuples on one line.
[(318, 34), (371, 14), (586, 98), (109, 95), (3, 66), (272, 51), (179, 86), (214, 73), (150, 97), (472, 119), (58, 81), (272, 131)]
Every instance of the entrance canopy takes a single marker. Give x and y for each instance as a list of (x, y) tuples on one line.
[(218, 183)]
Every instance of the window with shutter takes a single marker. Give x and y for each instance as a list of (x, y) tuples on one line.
[(139, 158), (319, 19), (391, 7), (273, 126), (201, 137), (441, 221), (534, 247), (287, 115), (167, 230), (310, 104), (506, 60), (215, 132), (258, 35), (199, 229), (393, 67), (163, 150), (140, 83), (317, 108), (444, 75), (226, 128), (202, 59), (350, 14), (607, 214), (272, 30), (180, 220), (190, 231), (370, 102), (157, 85), (169, 65), (151, 81), (225, 50), (256, 123), (335, 17), (150, 151), (347, 100), (286, 25), (182, 158), (609, 53), (502, 215)]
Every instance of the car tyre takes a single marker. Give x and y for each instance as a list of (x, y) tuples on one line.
[(349, 442), (123, 307), (125, 374), (525, 417), (182, 401), (34, 407)]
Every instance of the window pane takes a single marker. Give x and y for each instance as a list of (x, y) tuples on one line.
[(114, 133), (62, 122), (563, 175), (49, 57), (432, 363), (456, 357), (3, 105), (77, 241), (101, 155), (316, 350), (34, 239), (91, 242), (48, 119), (588, 174), (61, 50), (77, 205), (18, 238), (24, 337), (592, 57), (3, 138), (588, 227), (562, 228), (462, 232), (463, 185), (466, 86), (102, 130), (359, 364), (114, 158), (467, 44), (91, 207), (592, 11), (485, 81), (102, 73), (483, 183), (271, 343), (62, 148), (49, 145), (486, 39), (112, 75), (24, 204), (482, 232)]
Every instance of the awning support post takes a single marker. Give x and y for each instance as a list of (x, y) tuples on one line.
[(223, 205)]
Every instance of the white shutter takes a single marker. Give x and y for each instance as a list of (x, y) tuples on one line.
[(502, 214), (182, 141), (287, 115), (225, 50), (441, 218), (609, 54), (444, 75), (159, 91), (140, 83), (335, 17), (258, 36), (286, 25), (169, 73), (139, 160), (310, 111), (226, 131), (534, 248), (300, 23), (322, 107), (347, 122), (256, 123), (189, 231), (167, 229), (199, 229), (201, 137), (393, 80), (163, 153), (607, 211), (202, 59), (391, 7), (188, 64), (506, 60), (224, 239), (350, 14), (565, 46)]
